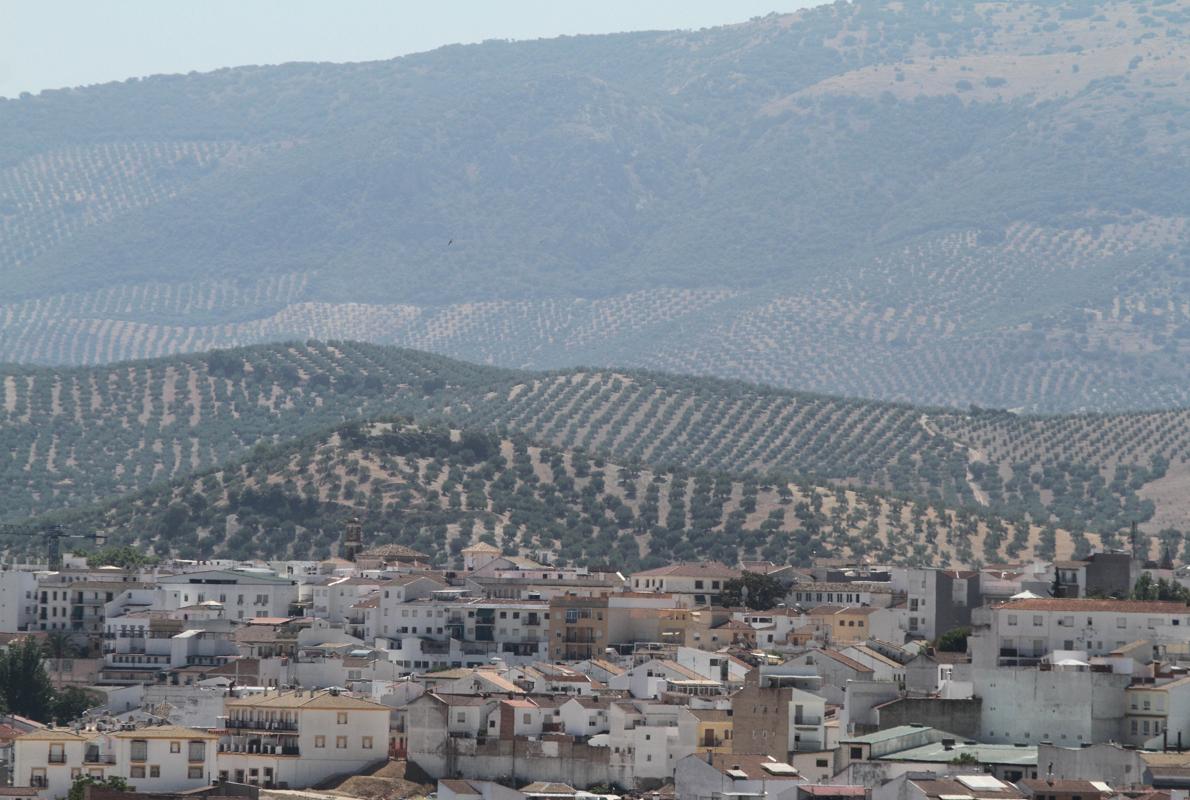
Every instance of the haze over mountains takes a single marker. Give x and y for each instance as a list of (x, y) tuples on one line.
[(940, 203)]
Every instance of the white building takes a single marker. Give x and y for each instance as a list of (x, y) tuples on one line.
[(244, 595), (1021, 632), (695, 584), (298, 739), (152, 759), (648, 740), (18, 600)]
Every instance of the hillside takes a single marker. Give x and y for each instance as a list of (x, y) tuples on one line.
[(438, 491), (81, 436), (931, 202)]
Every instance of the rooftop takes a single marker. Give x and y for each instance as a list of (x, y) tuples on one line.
[(1089, 605), (1004, 754), (886, 734), (701, 569)]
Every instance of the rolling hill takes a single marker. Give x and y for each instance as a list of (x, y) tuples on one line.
[(940, 203), (87, 435), (439, 490)]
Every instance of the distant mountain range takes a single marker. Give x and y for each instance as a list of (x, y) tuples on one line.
[(932, 202)]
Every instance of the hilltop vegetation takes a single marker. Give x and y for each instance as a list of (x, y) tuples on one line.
[(932, 202), (439, 491), (81, 436)]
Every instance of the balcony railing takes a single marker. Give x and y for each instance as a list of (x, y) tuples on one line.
[(261, 725), (57, 758)]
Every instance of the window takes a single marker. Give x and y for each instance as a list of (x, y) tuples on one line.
[(194, 773), (857, 752), (197, 751), (342, 718), (367, 742), (175, 747), (57, 753), (821, 762), (320, 741), (1012, 619), (1036, 620), (154, 770), (140, 750), (137, 771), (340, 742), (698, 584), (461, 717), (1121, 622)]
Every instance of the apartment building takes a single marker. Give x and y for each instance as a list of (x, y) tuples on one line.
[(692, 584), (1100, 574), (1022, 632), (49, 760), (1157, 714), (647, 741), (936, 600), (163, 758), (857, 593), (18, 600), (578, 627), (296, 739), (243, 594), (779, 712)]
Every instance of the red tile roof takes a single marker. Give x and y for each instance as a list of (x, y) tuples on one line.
[(701, 569), (1090, 605)]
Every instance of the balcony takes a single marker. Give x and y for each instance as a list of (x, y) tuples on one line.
[(256, 749), (57, 758), (261, 725), (99, 758)]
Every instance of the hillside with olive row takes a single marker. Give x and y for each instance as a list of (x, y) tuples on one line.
[(438, 490), (941, 203), (80, 436)]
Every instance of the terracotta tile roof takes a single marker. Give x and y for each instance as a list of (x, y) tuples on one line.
[(846, 661), (1042, 785), (165, 732), (1091, 605), (458, 786), (751, 764), (701, 569), (321, 700), (833, 791)]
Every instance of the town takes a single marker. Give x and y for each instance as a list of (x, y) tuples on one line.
[(505, 677)]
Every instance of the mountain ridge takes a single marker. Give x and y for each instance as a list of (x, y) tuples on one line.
[(924, 202)]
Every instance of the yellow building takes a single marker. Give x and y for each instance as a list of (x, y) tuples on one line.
[(714, 730)]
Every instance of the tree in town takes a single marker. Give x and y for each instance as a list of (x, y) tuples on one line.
[(753, 590)]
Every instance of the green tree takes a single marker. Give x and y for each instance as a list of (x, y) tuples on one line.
[(58, 646), (754, 591), (1161, 589), (71, 703), (953, 641), (113, 782), (24, 683), (125, 557)]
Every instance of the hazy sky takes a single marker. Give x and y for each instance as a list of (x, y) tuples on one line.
[(46, 44)]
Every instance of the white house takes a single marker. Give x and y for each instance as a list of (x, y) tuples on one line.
[(297, 739), (244, 594)]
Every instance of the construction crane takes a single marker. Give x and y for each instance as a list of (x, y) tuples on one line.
[(53, 535)]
